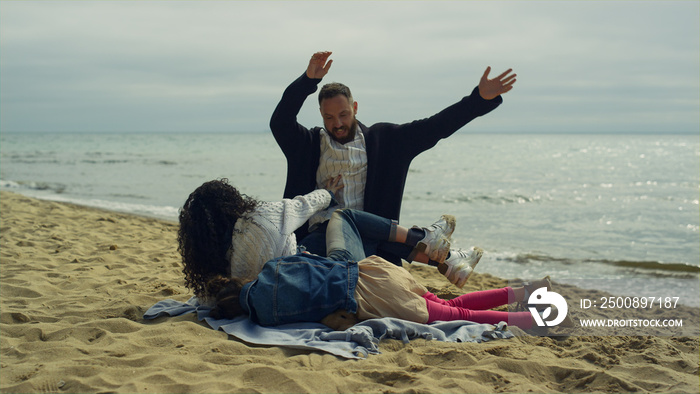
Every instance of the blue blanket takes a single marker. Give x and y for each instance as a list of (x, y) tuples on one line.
[(356, 342)]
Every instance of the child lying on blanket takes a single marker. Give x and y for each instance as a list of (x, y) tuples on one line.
[(310, 288), (225, 233)]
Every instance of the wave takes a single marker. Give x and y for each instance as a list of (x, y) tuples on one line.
[(57, 188), (498, 200), (40, 161), (54, 192), (127, 161), (160, 212), (508, 199), (90, 158), (651, 268), (652, 265), (105, 161)]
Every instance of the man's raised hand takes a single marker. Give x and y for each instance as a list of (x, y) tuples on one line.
[(318, 67), (492, 88)]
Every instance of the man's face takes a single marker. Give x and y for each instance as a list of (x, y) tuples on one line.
[(339, 118)]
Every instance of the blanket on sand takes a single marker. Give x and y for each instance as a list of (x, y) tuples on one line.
[(357, 341)]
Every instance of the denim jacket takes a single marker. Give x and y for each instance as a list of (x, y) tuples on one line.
[(300, 288)]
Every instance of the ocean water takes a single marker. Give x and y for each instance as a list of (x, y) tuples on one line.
[(612, 212)]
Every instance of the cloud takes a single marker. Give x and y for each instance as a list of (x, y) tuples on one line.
[(222, 65)]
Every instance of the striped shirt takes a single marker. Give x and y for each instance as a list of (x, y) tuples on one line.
[(348, 160)]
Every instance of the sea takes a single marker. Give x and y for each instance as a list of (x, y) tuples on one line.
[(613, 212)]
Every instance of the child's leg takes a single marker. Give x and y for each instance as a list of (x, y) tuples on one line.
[(485, 299), (438, 311), (479, 300), (432, 297)]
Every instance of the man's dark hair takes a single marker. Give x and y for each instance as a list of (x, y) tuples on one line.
[(333, 89)]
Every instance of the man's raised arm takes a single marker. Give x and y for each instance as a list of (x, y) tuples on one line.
[(283, 123)]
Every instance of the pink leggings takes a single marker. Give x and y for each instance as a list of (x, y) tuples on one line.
[(473, 307)]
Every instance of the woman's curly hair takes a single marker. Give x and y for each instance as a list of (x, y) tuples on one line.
[(207, 221)]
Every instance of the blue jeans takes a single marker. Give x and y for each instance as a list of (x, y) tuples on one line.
[(315, 241), (351, 234)]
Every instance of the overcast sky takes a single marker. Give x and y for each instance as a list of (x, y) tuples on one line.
[(588, 66)]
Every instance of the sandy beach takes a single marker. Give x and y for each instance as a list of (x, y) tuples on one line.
[(75, 282)]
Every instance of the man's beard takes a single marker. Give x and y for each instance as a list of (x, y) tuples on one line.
[(350, 134)]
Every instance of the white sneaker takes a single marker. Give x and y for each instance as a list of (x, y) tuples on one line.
[(436, 242), (461, 264)]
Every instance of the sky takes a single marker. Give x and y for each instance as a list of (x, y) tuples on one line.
[(221, 66)]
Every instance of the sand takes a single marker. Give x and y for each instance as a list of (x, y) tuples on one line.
[(74, 283)]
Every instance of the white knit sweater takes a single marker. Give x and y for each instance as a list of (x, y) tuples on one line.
[(268, 232)]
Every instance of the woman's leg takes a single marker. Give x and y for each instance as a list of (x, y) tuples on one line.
[(343, 240), (368, 228), (348, 228), (315, 241), (376, 228)]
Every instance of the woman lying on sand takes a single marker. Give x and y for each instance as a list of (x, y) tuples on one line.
[(226, 233), (346, 287)]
